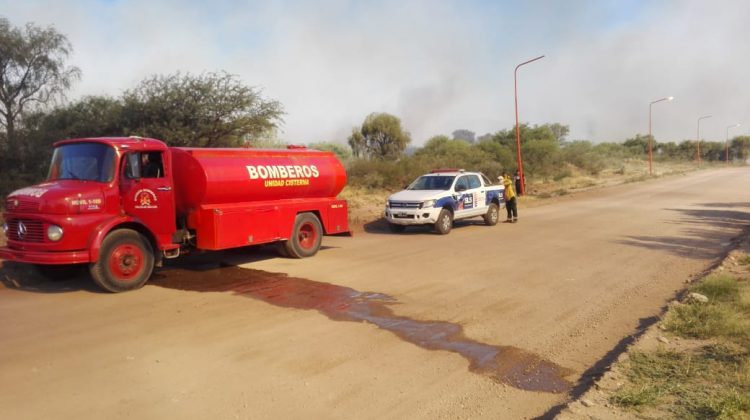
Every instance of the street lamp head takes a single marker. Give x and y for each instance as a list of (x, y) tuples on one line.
[(668, 98)]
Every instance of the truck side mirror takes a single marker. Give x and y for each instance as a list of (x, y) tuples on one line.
[(460, 188)]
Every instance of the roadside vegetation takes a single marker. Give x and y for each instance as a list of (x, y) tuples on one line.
[(217, 109), (709, 377)]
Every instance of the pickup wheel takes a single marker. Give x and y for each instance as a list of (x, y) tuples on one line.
[(444, 222), (126, 261), (306, 236), (493, 215), (396, 228)]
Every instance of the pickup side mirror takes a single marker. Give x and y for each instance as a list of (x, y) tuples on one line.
[(460, 188)]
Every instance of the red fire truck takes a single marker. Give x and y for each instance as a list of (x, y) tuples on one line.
[(122, 205)]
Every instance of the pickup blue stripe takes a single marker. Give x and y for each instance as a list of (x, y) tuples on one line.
[(442, 202)]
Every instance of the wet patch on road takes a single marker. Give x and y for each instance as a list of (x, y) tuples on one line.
[(504, 364)]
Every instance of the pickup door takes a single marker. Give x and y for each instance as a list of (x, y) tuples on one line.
[(470, 196)]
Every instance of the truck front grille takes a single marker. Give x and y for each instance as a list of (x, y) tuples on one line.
[(404, 205), (25, 230)]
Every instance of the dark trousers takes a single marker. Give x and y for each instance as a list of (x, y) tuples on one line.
[(511, 208)]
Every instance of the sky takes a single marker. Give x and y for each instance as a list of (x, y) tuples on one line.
[(438, 65)]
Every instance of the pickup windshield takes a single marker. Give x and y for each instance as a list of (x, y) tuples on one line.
[(432, 182), (82, 161)]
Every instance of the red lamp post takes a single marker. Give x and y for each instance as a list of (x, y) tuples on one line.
[(519, 161), (698, 140), (650, 164)]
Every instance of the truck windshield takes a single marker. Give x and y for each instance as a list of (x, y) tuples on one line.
[(82, 161), (432, 182)]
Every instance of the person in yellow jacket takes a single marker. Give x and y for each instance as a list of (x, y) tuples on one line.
[(510, 199)]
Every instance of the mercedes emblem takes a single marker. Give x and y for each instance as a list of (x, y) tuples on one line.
[(21, 230)]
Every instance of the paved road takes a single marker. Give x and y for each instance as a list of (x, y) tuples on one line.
[(486, 322)]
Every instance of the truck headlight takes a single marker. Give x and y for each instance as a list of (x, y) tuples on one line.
[(387, 204), (54, 233), (5, 228), (428, 203)]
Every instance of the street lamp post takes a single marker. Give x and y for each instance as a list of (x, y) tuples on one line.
[(519, 161), (726, 143), (698, 140), (650, 153)]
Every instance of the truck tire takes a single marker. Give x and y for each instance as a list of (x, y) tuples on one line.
[(444, 222), (493, 215), (281, 249), (396, 228), (306, 236), (126, 261), (59, 272)]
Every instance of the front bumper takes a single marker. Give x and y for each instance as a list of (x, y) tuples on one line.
[(43, 257), (409, 217)]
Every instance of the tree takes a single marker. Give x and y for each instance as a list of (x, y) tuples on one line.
[(638, 144), (558, 130), (91, 116), (712, 151), (444, 152), (340, 150), (382, 137), (32, 73), (499, 153), (739, 147), (357, 143), (465, 135), (209, 110), (582, 154)]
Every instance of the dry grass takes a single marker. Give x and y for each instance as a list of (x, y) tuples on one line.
[(711, 380)]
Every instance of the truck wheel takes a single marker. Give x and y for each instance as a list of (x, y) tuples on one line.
[(281, 249), (126, 261), (306, 236), (59, 272), (444, 222), (493, 215), (396, 228)]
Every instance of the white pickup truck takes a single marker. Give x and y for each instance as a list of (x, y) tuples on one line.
[(442, 196)]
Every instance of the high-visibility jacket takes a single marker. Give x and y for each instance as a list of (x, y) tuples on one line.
[(510, 192)]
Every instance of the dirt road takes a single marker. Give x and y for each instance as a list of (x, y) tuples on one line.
[(486, 322)]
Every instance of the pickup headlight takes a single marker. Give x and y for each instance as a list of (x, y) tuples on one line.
[(54, 233), (388, 203), (428, 203), (5, 228)]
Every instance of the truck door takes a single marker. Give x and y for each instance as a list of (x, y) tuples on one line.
[(480, 194), (464, 197), (147, 195)]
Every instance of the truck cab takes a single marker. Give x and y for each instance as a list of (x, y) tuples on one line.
[(442, 196), (94, 185)]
